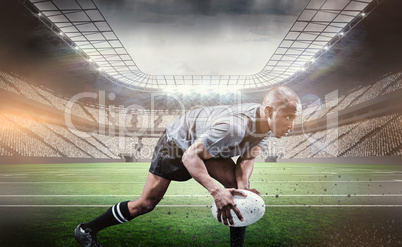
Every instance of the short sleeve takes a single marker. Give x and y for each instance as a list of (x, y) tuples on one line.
[(262, 142), (222, 135)]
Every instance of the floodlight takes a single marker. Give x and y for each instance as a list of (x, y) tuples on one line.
[(203, 89), (232, 89), (183, 89), (169, 89)]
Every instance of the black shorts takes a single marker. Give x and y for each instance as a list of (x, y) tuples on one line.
[(166, 161)]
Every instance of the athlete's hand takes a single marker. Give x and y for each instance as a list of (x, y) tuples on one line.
[(224, 203)]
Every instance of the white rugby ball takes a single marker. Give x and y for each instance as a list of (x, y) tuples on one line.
[(251, 207)]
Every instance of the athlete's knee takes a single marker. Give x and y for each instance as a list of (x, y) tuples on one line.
[(150, 205), (147, 205)]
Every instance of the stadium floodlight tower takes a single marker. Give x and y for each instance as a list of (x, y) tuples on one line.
[(319, 26)]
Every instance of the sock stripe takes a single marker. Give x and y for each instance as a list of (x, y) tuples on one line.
[(120, 214), (115, 216)]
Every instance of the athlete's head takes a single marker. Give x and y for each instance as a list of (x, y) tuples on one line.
[(281, 106)]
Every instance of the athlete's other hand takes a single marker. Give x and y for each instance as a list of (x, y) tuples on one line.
[(224, 203)]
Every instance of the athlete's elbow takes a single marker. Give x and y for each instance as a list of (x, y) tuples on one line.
[(189, 156), (186, 159)]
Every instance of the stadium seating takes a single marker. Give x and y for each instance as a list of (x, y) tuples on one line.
[(25, 136), (379, 136), (350, 97), (14, 136)]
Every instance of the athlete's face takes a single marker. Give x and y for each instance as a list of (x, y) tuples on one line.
[(281, 119)]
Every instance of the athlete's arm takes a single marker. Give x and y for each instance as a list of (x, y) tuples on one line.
[(193, 160), (244, 168)]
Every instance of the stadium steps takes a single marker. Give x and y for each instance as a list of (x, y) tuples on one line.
[(363, 93), (72, 143), (384, 90), (312, 114), (329, 110), (38, 138), (343, 99), (322, 149), (366, 136), (104, 145), (100, 151), (89, 114), (359, 96), (310, 145), (97, 149), (336, 139), (43, 97), (301, 142), (298, 144), (10, 84)]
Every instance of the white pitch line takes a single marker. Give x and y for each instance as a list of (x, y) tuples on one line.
[(268, 206), (332, 195), (335, 206), (98, 195), (312, 195), (338, 181), (72, 182), (315, 181)]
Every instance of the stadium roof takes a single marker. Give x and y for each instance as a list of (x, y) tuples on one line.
[(318, 27)]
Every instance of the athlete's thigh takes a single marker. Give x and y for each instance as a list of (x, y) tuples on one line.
[(222, 170)]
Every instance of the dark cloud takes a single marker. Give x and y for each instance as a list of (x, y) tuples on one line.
[(207, 7)]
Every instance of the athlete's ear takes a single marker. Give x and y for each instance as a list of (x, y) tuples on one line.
[(268, 111)]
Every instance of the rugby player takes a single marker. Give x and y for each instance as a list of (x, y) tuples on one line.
[(201, 145)]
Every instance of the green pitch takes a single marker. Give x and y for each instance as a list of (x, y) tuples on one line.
[(307, 205)]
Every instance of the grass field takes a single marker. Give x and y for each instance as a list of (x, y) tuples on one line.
[(307, 205)]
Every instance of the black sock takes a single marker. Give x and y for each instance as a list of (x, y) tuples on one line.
[(237, 235), (117, 214)]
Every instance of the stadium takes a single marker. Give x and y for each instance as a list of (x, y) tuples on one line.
[(80, 119)]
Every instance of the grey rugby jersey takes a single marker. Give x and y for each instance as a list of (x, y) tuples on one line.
[(225, 131)]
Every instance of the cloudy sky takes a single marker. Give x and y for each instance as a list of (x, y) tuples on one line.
[(201, 37)]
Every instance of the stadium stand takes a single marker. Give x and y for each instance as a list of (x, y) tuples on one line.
[(24, 136), (166, 119), (147, 147), (23, 88), (15, 84), (15, 136), (117, 144), (372, 137), (350, 97)]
